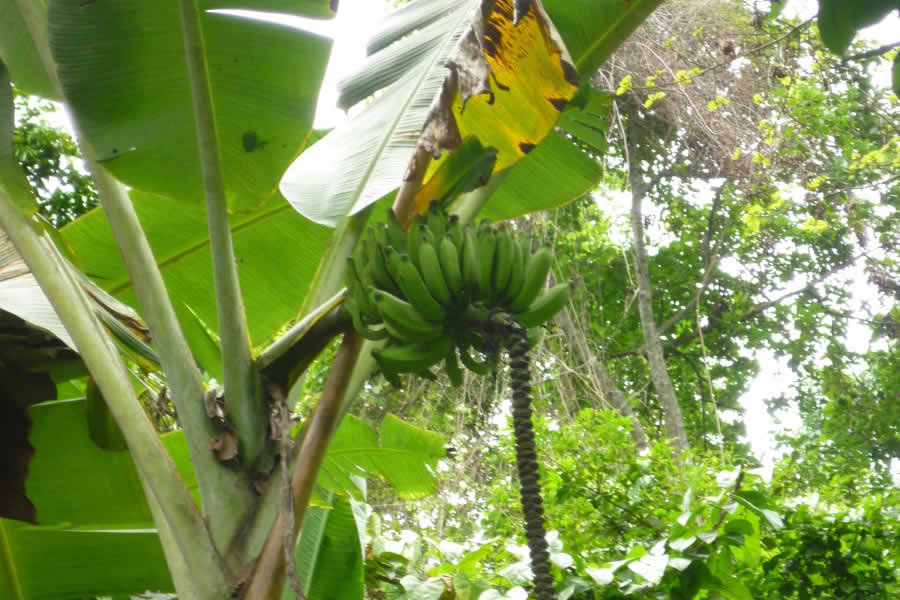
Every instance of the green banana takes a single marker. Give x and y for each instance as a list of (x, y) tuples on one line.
[(487, 244), (535, 275), (381, 234), (450, 259), (361, 254), (503, 262), (412, 357), (357, 290), (470, 264), (412, 285), (396, 231), (547, 305), (451, 367), (430, 268), (479, 367), (418, 233), (403, 321), (378, 267), (516, 273), (455, 230), (436, 220), (358, 324)]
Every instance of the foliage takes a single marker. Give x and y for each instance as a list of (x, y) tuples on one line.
[(49, 158), (834, 554), (763, 180)]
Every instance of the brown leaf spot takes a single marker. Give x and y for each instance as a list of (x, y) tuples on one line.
[(569, 72), (526, 147), (558, 103), (225, 445)]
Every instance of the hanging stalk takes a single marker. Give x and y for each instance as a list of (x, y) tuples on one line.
[(514, 337)]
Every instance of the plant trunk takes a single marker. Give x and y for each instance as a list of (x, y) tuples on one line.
[(659, 374)]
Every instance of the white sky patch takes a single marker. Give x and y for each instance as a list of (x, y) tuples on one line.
[(320, 27)]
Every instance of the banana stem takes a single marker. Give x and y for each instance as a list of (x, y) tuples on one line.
[(515, 339), (268, 578), (245, 408)]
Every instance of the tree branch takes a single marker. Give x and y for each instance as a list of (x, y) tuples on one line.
[(871, 53)]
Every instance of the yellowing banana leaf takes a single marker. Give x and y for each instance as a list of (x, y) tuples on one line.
[(276, 249), (123, 69), (475, 68), (513, 77)]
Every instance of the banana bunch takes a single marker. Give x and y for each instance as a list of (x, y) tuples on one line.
[(430, 291)]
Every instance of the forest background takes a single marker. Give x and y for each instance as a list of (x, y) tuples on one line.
[(747, 216)]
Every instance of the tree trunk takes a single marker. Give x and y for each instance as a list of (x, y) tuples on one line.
[(659, 374), (606, 386)]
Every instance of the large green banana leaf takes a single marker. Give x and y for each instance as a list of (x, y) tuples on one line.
[(277, 251), (95, 535), (123, 69), (405, 457), (122, 66), (593, 29), (329, 554), (17, 50)]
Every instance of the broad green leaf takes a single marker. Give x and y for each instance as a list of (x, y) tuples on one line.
[(91, 512), (839, 20), (592, 30), (402, 458), (277, 252), (18, 51), (464, 170), (553, 174), (123, 70), (416, 589), (329, 556)]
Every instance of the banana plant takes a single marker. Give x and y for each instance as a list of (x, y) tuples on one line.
[(226, 222)]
